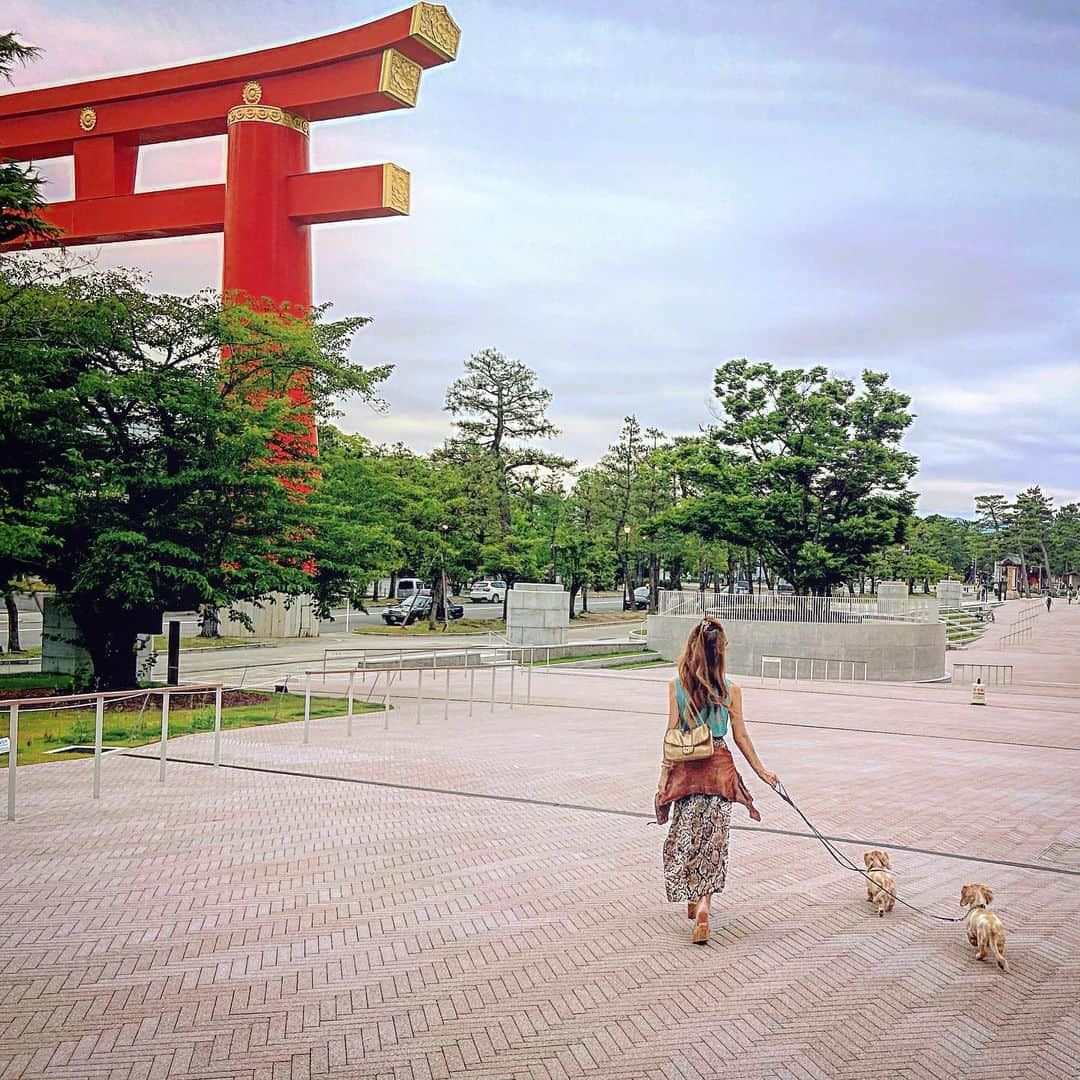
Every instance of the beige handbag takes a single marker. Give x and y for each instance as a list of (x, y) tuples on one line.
[(693, 745)]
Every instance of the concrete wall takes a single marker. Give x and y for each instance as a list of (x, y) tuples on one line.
[(279, 617), (537, 614), (950, 594), (61, 652), (893, 651)]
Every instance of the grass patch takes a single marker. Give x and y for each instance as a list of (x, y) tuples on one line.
[(601, 618), (161, 642), (574, 657), (419, 629), (50, 684), (40, 732), (28, 652), (658, 662)]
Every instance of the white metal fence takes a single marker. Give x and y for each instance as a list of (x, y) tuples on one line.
[(989, 674), (26, 706), (1022, 627), (769, 607), (814, 668), (389, 678)]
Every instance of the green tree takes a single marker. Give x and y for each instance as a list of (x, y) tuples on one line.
[(1065, 537), (353, 512), (176, 478), (949, 541), (619, 473), (896, 564), (803, 469), (499, 409), (993, 524), (1033, 522), (21, 188)]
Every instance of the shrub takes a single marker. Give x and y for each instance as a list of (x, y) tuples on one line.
[(81, 731)]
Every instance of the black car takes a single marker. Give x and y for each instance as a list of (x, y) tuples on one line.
[(416, 607)]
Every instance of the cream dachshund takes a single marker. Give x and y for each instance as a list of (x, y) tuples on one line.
[(880, 884), (984, 928)]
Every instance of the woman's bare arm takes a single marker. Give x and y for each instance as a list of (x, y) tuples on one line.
[(743, 740), (672, 707), (672, 723)]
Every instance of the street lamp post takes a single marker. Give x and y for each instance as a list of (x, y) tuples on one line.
[(442, 598), (625, 566)]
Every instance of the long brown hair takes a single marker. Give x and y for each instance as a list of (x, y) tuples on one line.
[(702, 666)]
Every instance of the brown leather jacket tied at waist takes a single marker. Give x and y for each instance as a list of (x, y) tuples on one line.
[(715, 775)]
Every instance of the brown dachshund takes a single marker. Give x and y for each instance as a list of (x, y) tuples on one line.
[(984, 929), (880, 885)]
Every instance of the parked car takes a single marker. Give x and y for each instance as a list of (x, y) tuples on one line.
[(493, 592), (784, 589), (641, 599), (416, 607), (742, 588)]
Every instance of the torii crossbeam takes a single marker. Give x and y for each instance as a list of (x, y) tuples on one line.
[(264, 101)]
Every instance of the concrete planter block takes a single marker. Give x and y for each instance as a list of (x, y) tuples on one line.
[(950, 594), (537, 614)]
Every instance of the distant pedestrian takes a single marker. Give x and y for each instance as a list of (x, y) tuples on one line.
[(699, 794), (1049, 601)]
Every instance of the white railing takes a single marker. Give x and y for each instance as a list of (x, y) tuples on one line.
[(811, 665), (1022, 627), (990, 674), (98, 701), (421, 683), (1018, 636), (769, 607)]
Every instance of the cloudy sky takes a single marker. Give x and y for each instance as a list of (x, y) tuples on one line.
[(624, 195)]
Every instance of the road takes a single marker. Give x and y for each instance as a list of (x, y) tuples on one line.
[(331, 631), (30, 621)]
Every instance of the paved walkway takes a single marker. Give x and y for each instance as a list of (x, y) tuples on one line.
[(1046, 657), (426, 902)]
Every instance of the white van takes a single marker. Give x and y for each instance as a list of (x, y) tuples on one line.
[(408, 586)]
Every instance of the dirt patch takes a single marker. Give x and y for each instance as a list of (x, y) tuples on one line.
[(229, 699)]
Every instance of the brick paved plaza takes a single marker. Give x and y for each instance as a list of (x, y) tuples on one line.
[(414, 902)]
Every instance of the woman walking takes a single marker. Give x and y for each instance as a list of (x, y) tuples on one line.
[(699, 794)]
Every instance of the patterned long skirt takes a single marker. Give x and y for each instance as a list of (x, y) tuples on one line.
[(696, 848)]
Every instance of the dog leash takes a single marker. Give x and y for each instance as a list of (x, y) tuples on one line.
[(846, 862)]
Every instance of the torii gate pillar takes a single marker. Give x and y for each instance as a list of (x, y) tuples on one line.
[(266, 253)]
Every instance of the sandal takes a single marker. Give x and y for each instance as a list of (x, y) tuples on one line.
[(701, 930)]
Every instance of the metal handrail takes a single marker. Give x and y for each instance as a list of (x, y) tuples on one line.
[(13, 706), (1002, 673), (813, 661), (112, 695)]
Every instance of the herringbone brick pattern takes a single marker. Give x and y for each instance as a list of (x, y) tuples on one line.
[(248, 924)]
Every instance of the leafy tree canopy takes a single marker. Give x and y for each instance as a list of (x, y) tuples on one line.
[(178, 470), (803, 468)]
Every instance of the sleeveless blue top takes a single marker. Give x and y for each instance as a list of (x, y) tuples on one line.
[(716, 716)]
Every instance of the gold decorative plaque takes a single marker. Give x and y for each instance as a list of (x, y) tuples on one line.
[(252, 93), (395, 188), (432, 25), (400, 77), (88, 119), (267, 114)]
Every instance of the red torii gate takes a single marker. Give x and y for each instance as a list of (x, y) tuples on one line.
[(264, 101)]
